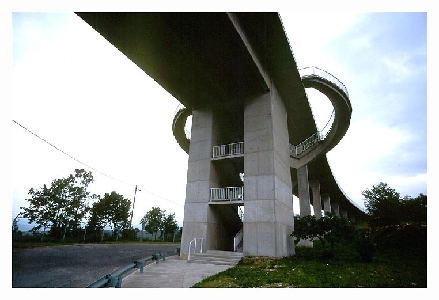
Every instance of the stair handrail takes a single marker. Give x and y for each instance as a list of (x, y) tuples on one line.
[(238, 238), (241, 213), (320, 135), (195, 247)]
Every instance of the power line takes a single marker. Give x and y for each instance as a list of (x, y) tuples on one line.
[(75, 159), (88, 166), (156, 195)]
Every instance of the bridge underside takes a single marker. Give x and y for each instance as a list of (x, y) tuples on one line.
[(202, 60), (218, 64)]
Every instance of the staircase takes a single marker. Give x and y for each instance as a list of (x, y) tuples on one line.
[(216, 257)]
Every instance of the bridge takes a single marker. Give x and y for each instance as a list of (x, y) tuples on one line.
[(235, 73)]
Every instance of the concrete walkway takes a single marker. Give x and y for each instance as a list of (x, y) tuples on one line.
[(172, 272)]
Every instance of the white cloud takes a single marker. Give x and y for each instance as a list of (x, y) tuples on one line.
[(401, 67), (309, 32), (405, 185), (370, 141), (357, 161)]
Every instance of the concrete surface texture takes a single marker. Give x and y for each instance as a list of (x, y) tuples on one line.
[(251, 93), (172, 272)]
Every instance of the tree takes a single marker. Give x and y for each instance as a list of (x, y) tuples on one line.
[(152, 221), (386, 207), (415, 209), (328, 229), (112, 210), (62, 206), (15, 231), (70, 197), (40, 209), (169, 225), (98, 217), (383, 204)]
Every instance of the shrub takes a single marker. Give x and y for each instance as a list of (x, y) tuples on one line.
[(365, 245), (409, 237), (329, 229)]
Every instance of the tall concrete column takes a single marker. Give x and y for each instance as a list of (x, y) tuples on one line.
[(344, 214), (294, 183), (201, 177), (336, 209), (316, 198), (268, 220), (303, 188), (304, 199), (326, 203)]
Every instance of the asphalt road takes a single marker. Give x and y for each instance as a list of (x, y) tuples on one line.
[(76, 266)]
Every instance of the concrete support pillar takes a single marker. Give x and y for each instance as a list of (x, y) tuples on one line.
[(293, 184), (316, 198), (326, 203), (336, 209), (344, 214), (201, 177), (303, 188), (304, 198), (268, 220)]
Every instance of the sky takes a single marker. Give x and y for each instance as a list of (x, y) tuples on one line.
[(74, 90)]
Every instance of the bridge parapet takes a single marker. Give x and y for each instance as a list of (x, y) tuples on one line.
[(317, 72)]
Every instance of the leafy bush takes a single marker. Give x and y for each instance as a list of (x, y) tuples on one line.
[(365, 245), (406, 236), (328, 229)]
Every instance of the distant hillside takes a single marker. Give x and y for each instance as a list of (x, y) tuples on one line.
[(23, 225)]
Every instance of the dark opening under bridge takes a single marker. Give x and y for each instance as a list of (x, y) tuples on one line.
[(235, 73)]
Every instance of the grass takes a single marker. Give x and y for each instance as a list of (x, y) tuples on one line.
[(308, 269)]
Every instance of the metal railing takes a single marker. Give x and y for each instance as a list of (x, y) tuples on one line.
[(241, 213), (194, 241), (297, 151), (114, 279), (324, 132), (231, 149), (237, 239), (314, 71), (227, 194), (179, 109)]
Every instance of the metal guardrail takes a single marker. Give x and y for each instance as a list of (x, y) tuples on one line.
[(227, 194), (179, 110), (228, 150), (297, 151), (114, 279), (314, 71)]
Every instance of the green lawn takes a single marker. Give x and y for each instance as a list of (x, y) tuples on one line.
[(403, 268)]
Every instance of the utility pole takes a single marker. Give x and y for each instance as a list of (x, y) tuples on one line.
[(134, 202)]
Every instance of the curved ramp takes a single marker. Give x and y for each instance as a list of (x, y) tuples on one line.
[(178, 125), (337, 93)]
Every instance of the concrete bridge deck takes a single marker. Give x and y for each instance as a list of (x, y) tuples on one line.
[(237, 74), (219, 60)]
